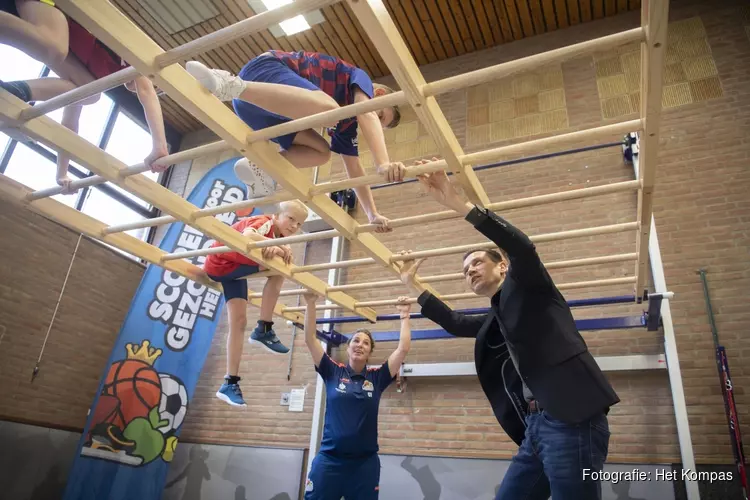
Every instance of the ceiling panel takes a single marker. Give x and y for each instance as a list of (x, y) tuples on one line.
[(434, 30)]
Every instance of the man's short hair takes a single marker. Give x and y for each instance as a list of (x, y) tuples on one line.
[(495, 255)]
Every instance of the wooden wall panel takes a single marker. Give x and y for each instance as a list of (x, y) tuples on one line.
[(433, 30)]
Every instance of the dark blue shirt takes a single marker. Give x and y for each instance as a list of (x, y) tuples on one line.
[(352, 400), (338, 79)]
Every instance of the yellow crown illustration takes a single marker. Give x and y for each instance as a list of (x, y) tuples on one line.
[(143, 352)]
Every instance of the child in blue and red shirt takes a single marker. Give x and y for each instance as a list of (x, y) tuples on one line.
[(277, 87), (231, 269)]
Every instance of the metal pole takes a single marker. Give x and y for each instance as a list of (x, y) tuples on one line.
[(673, 361), (319, 408), (299, 299)]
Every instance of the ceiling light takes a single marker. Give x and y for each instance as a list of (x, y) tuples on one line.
[(275, 4), (291, 26), (294, 25)]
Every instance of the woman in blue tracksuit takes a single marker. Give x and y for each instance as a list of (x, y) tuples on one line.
[(347, 464)]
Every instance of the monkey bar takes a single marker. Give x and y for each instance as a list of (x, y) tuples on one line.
[(114, 29)]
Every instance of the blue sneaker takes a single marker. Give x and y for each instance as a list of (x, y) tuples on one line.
[(269, 340), (232, 394)]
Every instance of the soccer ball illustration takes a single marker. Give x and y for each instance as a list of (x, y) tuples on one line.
[(173, 404)]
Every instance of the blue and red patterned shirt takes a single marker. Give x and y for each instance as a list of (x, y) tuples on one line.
[(336, 78)]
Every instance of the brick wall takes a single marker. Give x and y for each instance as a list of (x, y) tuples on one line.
[(702, 216), (94, 303), (264, 376)]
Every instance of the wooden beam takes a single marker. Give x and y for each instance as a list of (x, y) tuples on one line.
[(383, 32), (573, 194), (49, 132), (556, 56), (80, 93), (538, 238), (286, 240), (489, 155), (138, 168), (588, 261), (654, 19), (326, 117), (155, 221), (334, 265), (277, 197), (591, 134), (366, 180), (469, 295), (84, 224), (114, 29)]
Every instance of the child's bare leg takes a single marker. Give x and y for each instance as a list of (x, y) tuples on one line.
[(286, 100), (309, 149), (72, 74), (237, 310), (72, 69), (47, 88), (271, 292), (41, 31)]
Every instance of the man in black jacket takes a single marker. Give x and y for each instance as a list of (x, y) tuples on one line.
[(545, 388)]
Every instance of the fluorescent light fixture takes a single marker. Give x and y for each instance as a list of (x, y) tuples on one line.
[(275, 4), (291, 26), (294, 25)]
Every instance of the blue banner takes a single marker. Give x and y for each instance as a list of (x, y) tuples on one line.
[(145, 391)]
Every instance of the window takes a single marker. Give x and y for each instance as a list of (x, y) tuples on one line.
[(92, 122), (35, 171), (4, 140), (105, 208), (94, 119), (16, 66), (130, 144), (102, 124)]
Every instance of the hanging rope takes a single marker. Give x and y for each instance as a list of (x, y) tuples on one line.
[(57, 306)]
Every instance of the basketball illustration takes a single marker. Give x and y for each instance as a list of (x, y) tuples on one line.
[(136, 385), (127, 421)]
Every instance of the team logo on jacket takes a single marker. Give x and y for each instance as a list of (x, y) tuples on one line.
[(341, 388), (367, 385)]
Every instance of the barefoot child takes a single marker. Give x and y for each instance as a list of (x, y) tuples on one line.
[(231, 269), (277, 87)]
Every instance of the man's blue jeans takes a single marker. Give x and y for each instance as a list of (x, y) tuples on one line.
[(552, 459)]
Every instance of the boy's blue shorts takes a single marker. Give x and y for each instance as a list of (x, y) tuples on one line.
[(352, 478), (268, 69), (234, 283)]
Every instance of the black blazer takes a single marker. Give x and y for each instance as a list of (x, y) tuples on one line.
[(530, 314)]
